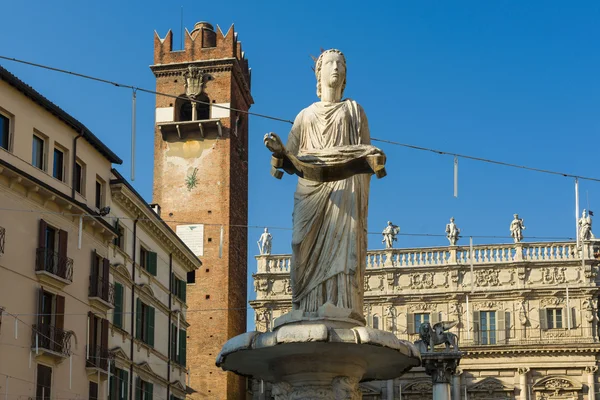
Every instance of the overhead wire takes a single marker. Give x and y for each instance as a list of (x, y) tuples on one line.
[(157, 93)]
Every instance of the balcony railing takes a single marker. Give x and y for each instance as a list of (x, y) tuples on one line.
[(100, 288), (98, 358), (50, 261), (519, 337), (49, 337)]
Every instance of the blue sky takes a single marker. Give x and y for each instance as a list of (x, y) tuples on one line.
[(508, 80)]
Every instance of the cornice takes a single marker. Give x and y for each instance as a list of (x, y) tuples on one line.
[(152, 222)]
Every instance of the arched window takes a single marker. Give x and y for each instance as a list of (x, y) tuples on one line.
[(184, 108), (203, 109)]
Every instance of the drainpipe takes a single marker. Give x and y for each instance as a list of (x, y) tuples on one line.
[(74, 163), (169, 335), (133, 314)]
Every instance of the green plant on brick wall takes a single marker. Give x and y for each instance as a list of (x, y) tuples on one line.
[(191, 180)]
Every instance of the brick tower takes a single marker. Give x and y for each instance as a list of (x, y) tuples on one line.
[(201, 181)]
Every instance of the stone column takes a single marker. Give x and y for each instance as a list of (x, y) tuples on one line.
[(441, 366), (390, 389), (456, 384), (523, 382), (591, 371)]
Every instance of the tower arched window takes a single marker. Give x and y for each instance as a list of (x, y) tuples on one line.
[(184, 108)]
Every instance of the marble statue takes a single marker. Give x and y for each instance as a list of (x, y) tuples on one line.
[(452, 232), (585, 226), (329, 148), (264, 243), (517, 228), (389, 235), (437, 334)]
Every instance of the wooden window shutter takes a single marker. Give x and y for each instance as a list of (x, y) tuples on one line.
[(105, 280), (138, 318), (118, 310), (60, 312), (42, 233), (152, 261), (151, 326), (104, 334), (182, 290), (476, 322), (124, 385), (543, 319), (92, 334), (172, 283), (173, 342), (573, 317), (182, 347), (508, 325), (410, 323), (63, 240), (138, 388), (501, 327), (40, 306), (149, 390)]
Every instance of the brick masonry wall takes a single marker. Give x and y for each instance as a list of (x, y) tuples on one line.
[(220, 198)]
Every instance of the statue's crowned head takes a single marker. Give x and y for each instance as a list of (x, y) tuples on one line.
[(334, 75)]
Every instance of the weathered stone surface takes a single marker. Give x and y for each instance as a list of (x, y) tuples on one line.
[(302, 333)]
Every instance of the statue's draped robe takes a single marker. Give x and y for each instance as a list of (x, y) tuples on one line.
[(329, 241)]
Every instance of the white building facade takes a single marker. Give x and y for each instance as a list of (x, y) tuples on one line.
[(527, 315)]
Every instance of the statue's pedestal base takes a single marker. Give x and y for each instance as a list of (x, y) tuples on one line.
[(315, 361), (441, 366), (327, 314)]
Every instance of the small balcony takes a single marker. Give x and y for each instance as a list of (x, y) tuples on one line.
[(101, 293), (51, 340), (52, 268), (97, 359)]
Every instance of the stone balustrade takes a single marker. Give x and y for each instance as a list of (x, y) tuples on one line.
[(453, 255)]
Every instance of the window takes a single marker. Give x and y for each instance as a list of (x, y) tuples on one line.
[(419, 320), (58, 168), (191, 276), (4, 132), (178, 287), (119, 241), (143, 390), (99, 280), (488, 327), (44, 382), (148, 260), (118, 310), (375, 323), (79, 178), (554, 318), (178, 354), (93, 392), (37, 153), (144, 322), (119, 381), (99, 194), (98, 342), (52, 252)]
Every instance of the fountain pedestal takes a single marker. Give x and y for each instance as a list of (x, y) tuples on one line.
[(318, 359), (441, 366)]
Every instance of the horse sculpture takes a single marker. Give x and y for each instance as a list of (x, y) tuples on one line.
[(432, 336)]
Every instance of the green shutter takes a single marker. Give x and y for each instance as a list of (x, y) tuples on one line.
[(150, 326), (150, 390), (543, 319), (182, 290), (138, 388), (138, 318), (152, 259), (173, 342), (112, 388), (501, 320), (182, 347), (476, 323), (172, 283), (124, 375), (410, 323), (118, 311)]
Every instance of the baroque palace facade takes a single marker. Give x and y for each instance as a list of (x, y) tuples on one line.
[(527, 315)]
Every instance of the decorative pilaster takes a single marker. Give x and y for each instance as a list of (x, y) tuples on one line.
[(441, 366), (523, 382), (591, 371)]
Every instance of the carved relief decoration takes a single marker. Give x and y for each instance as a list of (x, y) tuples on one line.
[(341, 388), (489, 385), (488, 305), (487, 277), (424, 306), (590, 272), (381, 286), (552, 301), (556, 387), (523, 312), (553, 275), (454, 308), (421, 280), (287, 287), (367, 287), (421, 386)]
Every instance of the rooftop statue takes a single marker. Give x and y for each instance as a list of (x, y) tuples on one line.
[(329, 148), (585, 226), (516, 228), (264, 243), (452, 232), (389, 235)]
